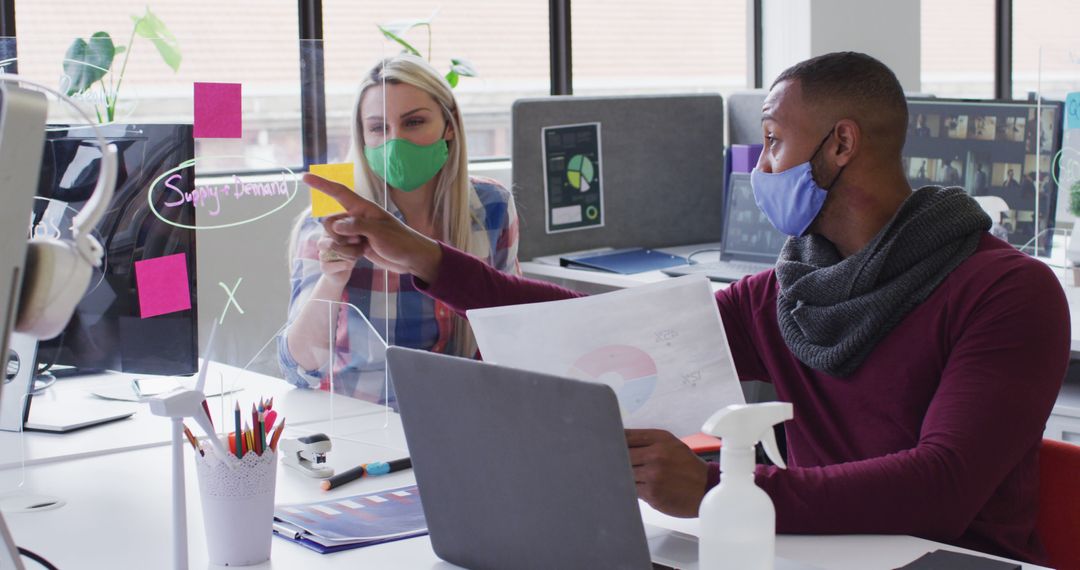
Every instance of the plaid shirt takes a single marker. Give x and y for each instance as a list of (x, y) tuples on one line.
[(389, 301)]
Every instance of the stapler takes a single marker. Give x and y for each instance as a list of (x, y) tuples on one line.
[(308, 455)]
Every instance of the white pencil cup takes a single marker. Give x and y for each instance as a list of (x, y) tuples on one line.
[(238, 507)]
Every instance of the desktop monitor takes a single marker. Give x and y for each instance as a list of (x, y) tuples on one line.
[(748, 234), (990, 148), (22, 114), (107, 331)]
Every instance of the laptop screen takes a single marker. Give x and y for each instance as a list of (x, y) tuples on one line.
[(748, 235)]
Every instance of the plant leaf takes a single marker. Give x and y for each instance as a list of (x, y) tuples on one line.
[(88, 61), (399, 27), (463, 67), (452, 78), (392, 36), (119, 50), (152, 28)]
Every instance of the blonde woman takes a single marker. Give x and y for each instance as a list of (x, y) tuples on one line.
[(410, 157)]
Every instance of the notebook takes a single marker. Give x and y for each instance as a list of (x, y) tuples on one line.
[(751, 244), (352, 522)]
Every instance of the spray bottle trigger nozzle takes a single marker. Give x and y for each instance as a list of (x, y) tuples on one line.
[(768, 441)]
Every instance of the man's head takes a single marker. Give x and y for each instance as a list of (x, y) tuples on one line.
[(846, 114), (854, 94)]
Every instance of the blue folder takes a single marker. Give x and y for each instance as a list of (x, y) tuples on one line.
[(351, 522), (624, 261)]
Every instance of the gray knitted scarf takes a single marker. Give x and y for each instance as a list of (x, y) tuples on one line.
[(833, 311)]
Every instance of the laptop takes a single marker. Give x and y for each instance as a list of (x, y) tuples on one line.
[(750, 245), (67, 410), (69, 415), (518, 469)]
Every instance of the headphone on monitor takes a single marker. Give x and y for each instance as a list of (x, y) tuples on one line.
[(57, 271)]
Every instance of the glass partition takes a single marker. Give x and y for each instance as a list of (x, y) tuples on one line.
[(1058, 82)]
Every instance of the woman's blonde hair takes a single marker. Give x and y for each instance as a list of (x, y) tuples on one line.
[(450, 204)]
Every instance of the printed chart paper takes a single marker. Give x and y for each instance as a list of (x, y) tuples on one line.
[(661, 347), (573, 180)]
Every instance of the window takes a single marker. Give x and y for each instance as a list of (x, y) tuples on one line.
[(251, 42), (958, 48), (506, 41), (1044, 36), (642, 46)]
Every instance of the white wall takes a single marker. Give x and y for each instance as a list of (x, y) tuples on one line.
[(889, 30)]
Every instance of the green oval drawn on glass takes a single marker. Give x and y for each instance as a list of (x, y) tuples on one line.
[(190, 164), (1066, 164)]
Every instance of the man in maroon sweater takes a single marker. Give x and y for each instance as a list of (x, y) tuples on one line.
[(922, 355)]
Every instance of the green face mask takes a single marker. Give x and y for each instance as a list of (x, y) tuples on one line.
[(405, 165)]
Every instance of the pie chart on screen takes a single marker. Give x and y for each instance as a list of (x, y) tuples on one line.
[(580, 172), (630, 372)]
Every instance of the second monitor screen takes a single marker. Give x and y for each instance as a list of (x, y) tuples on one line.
[(994, 148)]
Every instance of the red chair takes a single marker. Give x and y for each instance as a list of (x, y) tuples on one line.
[(1059, 503)]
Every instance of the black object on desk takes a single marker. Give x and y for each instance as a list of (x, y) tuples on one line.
[(947, 560), (624, 261)]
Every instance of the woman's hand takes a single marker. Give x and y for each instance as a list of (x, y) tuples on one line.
[(367, 229), (336, 261)]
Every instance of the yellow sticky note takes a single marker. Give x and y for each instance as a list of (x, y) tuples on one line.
[(342, 173)]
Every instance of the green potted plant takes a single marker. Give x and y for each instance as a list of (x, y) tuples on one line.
[(89, 62), (395, 31), (1073, 251)]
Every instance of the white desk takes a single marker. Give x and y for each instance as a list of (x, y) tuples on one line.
[(117, 515), (299, 407)]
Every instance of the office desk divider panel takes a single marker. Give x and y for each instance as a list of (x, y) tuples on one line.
[(663, 168), (743, 114)]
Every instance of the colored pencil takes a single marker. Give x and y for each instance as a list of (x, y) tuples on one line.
[(206, 408), (271, 417), (261, 432), (277, 434), (254, 426), (191, 438), (239, 434)]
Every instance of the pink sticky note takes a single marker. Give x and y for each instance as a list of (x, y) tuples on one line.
[(217, 111), (162, 283)]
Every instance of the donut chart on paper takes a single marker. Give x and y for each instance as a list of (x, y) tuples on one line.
[(630, 372)]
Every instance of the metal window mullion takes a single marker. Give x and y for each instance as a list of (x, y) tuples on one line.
[(561, 61), (1003, 48), (7, 30), (312, 83), (754, 45)]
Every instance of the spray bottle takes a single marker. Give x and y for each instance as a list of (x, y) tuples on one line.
[(738, 521)]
